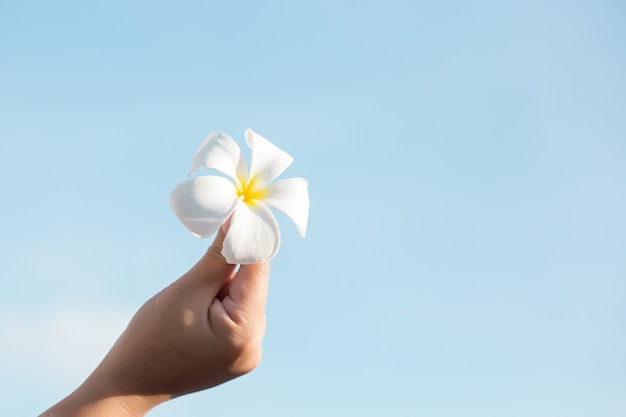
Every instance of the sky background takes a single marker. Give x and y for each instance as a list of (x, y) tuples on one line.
[(467, 170)]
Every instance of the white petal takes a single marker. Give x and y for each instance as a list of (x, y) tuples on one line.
[(203, 204), (221, 153), (268, 161), (253, 235), (291, 197)]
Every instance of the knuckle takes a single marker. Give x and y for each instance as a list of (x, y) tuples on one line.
[(246, 348), (214, 253)]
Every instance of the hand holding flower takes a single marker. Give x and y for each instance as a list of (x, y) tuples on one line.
[(204, 329)]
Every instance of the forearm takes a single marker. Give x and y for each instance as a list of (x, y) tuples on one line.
[(96, 398)]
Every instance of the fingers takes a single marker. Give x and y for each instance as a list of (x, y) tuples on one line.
[(240, 316), (248, 290), (244, 292), (212, 270)]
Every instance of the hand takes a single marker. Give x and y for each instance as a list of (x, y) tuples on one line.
[(204, 329)]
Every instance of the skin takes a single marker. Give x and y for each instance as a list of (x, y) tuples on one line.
[(206, 328)]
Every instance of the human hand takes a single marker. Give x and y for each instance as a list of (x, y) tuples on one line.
[(204, 329)]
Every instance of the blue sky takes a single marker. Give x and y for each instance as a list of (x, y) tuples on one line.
[(467, 171)]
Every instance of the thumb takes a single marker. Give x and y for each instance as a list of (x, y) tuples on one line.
[(214, 255)]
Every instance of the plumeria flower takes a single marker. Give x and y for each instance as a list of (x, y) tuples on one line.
[(204, 203)]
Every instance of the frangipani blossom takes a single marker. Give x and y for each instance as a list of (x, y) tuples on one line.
[(204, 203)]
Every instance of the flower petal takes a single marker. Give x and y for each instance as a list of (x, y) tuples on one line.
[(253, 235), (268, 161), (221, 153), (291, 197), (203, 204)]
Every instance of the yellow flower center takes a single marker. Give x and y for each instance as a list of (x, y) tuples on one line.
[(249, 193)]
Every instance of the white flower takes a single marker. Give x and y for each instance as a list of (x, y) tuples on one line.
[(204, 203)]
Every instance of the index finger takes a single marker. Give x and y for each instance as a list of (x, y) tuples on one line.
[(248, 289)]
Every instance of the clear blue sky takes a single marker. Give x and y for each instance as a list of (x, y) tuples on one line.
[(467, 168)]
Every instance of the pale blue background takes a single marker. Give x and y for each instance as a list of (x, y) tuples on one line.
[(466, 253)]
